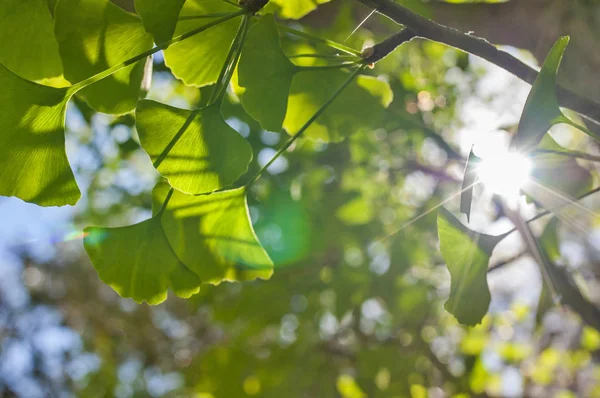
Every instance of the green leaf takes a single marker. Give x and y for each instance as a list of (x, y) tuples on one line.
[(195, 150), (94, 35), (358, 108), (293, 9), (468, 185), (33, 161), (213, 235), (467, 255), (27, 43), (266, 74), (541, 108), (137, 262), (159, 17), (197, 61)]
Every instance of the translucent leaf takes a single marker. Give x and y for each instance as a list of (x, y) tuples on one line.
[(468, 185), (266, 75), (33, 161), (213, 235), (358, 108), (195, 150), (467, 255), (198, 60), (159, 17), (541, 109), (137, 262), (295, 9), (27, 43), (358, 211), (94, 35)]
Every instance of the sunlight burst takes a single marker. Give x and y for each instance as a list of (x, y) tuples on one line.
[(505, 173)]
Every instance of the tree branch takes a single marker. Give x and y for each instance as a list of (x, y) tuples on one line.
[(381, 50), (431, 30)]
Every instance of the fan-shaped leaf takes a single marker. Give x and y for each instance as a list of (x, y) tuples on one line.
[(27, 43), (94, 35), (33, 161), (159, 17), (467, 255), (358, 108), (213, 235), (195, 150), (137, 262), (266, 75), (198, 60)]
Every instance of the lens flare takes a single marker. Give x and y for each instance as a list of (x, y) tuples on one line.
[(505, 174)]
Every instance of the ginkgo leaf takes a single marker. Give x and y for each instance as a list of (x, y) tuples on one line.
[(33, 161), (159, 17), (361, 104), (468, 185), (198, 60), (541, 108), (266, 75), (195, 150), (94, 35), (138, 262), (293, 9), (213, 235), (27, 43), (467, 255)]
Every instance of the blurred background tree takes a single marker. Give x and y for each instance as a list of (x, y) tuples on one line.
[(355, 306)]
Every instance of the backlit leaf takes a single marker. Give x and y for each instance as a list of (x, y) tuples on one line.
[(198, 60), (33, 161), (295, 9), (196, 150), (213, 235), (27, 43), (467, 255), (357, 109), (137, 262), (541, 109), (266, 75), (159, 17), (94, 35)]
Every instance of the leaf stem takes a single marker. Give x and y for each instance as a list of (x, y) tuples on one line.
[(318, 68), (330, 43), (213, 15), (326, 56), (230, 62), (166, 202), (306, 125), (104, 74)]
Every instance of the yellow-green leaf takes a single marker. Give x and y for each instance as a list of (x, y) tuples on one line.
[(266, 75), (195, 150), (358, 108), (213, 235), (467, 255), (159, 17), (137, 262), (94, 35), (293, 9), (27, 43), (33, 161), (197, 61)]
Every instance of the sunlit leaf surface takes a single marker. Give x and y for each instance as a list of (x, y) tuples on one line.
[(159, 17), (213, 235), (198, 60), (94, 35), (137, 262), (33, 162), (195, 150), (27, 43), (467, 255), (294, 9)]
